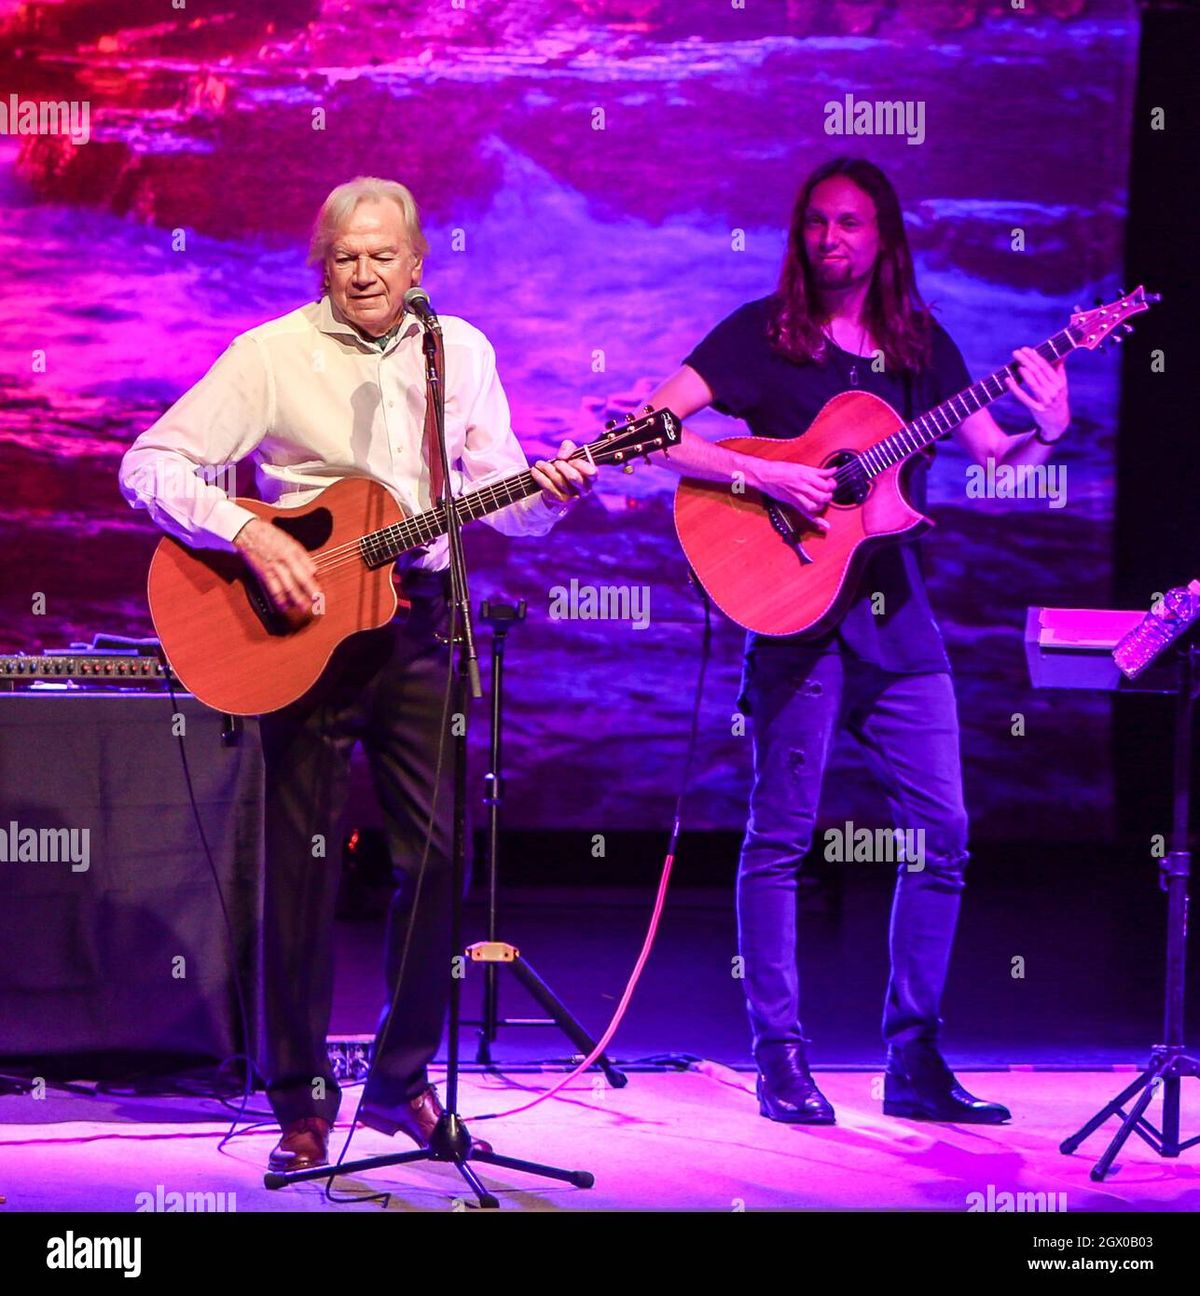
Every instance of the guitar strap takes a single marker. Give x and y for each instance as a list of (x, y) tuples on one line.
[(431, 454), (430, 449)]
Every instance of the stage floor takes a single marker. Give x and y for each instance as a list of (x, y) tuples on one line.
[(667, 1141), (1050, 968)]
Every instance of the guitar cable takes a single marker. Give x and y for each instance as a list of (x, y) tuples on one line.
[(655, 918), (664, 879)]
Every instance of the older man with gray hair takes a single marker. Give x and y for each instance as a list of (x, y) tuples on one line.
[(337, 389)]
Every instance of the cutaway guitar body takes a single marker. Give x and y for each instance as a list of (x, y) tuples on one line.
[(770, 569)]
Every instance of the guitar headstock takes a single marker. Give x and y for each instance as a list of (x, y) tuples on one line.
[(1090, 328), (636, 438)]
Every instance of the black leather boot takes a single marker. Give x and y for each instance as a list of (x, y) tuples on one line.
[(918, 1085), (786, 1090)]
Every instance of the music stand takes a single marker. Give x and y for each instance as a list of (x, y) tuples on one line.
[(1169, 1063), (494, 953)]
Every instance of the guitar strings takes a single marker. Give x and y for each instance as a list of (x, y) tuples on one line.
[(352, 550)]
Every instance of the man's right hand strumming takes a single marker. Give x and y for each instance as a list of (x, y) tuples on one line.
[(285, 569)]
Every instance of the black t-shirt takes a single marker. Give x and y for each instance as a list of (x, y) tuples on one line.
[(777, 397)]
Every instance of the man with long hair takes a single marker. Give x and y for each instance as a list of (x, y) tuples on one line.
[(846, 315)]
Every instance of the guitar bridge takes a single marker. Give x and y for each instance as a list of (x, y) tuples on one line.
[(274, 622)]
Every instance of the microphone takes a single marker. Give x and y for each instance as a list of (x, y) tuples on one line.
[(416, 300)]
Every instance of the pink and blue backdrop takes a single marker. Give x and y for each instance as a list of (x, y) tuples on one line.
[(593, 258)]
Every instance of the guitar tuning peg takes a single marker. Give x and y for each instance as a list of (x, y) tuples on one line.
[(647, 409), (628, 418), (1099, 302), (628, 468), (1120, 292), (1127, 327), (1117, 339), (612, 423), (1078, 309)]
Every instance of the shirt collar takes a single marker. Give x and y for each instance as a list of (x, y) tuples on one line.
[(330, 320)]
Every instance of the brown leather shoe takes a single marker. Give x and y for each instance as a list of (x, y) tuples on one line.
[(417, 1118), (305, 1144)]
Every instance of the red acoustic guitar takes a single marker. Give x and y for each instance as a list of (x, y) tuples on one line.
[(767, 567), (235, 652)]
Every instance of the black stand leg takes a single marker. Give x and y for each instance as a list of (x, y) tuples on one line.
[(1169, 1062), (559, 1014)]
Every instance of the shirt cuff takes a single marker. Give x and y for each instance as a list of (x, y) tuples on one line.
[(227, 519), (540, 507)]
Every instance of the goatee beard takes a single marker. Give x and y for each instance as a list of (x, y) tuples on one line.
[(833, 276)]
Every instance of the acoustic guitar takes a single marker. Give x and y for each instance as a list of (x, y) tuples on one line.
[(767, 567), (229, 645)]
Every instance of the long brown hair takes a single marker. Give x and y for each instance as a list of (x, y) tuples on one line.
[(894, 312)]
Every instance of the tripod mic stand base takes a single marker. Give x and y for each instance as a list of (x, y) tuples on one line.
[(1169, 1065), (450, 1144)]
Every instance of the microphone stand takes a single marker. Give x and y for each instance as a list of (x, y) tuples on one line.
[(450, 1141)]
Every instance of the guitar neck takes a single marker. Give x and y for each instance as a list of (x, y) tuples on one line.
[(944, 418), (621, 443), (390, 542)]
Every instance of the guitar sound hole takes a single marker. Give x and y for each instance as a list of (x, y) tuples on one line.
[(853, 483), (311, 528)]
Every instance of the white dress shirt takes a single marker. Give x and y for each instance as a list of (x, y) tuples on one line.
[(313, 401)]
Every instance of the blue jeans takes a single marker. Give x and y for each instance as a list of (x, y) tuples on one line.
[(908, 724)]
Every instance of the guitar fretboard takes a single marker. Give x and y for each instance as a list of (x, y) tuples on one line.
[(391, 541), (944, 418), (637, 438)]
